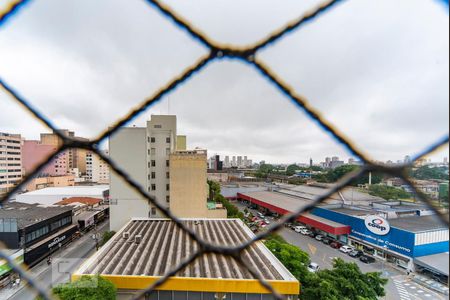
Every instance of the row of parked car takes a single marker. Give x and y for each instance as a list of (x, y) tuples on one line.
[(350, 250)]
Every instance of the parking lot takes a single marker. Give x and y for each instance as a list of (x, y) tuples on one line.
[(399, 285)]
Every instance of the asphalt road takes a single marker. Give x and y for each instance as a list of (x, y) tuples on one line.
[(398, 287), (64, 262)]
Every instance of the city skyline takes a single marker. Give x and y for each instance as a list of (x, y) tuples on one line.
[(228, 107)]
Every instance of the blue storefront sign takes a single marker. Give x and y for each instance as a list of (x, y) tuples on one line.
[(395, 239)]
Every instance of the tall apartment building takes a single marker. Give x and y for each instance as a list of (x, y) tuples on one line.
[(143, 152), (189, 187), (226, 163), (34, 153), (97, 170), (75, 158), (10, 161), (239, 161)]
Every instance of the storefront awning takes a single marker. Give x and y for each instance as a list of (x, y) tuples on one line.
[(324, 224), (436, 262)]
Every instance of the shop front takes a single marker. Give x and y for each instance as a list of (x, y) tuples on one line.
[(42, 249), (327, 228)]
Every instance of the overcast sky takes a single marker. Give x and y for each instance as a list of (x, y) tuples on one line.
[(378, 70)]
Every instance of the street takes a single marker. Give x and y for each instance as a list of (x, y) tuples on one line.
[(72, 255), (398, 286)]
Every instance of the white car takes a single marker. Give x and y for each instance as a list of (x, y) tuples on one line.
[(313, 267), (346, 249), (319, 237), (305, 231), (299, 228)]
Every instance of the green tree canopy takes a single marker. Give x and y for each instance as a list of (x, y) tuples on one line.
[(336, 174), (291, 170), (388, 192), (86, 288), (344, 281), (427, 173)]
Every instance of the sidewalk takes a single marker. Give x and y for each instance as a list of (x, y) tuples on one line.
[(431, 284)]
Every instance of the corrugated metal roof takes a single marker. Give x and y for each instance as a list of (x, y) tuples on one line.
[(164, 246)]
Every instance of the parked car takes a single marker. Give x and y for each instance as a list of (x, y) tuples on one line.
[(305, 231), (367, 259), (335, 245), (261, 215), (266, 221), (312, 234), (346, 249), (299, 228), (319, 237), (355, 253), (326, 241), (313, 267), (288, 225)]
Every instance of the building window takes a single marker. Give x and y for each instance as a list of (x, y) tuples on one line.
[(167, 199), (153, 163), (153, 187), (167, 187), (152, 140), (153, 211), (168, 140), (153, 175), (153, 152), (167, 175), (157, 126), (167, 151), (167, 163)]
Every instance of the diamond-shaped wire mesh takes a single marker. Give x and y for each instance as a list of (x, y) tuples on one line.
[(216, 51)]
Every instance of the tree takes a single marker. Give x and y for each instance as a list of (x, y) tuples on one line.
[(344, 281), (388, 192), (427, 173), (292, 257), (86, 288), (106, 236), (339, 172), (291, 170)]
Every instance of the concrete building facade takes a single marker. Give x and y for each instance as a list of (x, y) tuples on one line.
[(53, 181), (96, 169), (143, 152), (10, 161), (189, 188)]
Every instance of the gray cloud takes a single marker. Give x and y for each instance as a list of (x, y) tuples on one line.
[(378, 70)]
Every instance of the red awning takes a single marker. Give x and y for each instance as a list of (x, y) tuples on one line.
[(312, 220)]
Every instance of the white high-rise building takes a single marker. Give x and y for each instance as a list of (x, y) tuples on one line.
[(97, 170), (143, 152), (239, 161), (227, 162), (10, 161), (245, 162), (233, 162)]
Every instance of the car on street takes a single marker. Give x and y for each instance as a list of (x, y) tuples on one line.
[(367, 259), (335, 245), (261, 215), (312, 234), (355, 253), (319, 237), (326, 241), (305, 231), (299, 228), (266, 221), (346, 249), (288, 225), (313, 267)]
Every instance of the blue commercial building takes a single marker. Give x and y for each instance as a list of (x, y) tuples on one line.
[(399, 240)]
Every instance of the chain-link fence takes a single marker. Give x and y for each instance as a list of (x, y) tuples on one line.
[(216, 51)]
